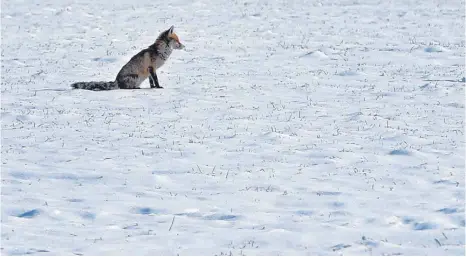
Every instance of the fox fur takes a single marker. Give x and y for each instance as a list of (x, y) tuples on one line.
[(141, 66)]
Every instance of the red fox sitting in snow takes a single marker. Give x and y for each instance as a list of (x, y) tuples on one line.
[(141, 66)]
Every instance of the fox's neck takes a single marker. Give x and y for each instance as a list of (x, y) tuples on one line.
[(162, 48)]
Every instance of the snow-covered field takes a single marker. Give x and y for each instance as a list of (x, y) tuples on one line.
[(285, 127)]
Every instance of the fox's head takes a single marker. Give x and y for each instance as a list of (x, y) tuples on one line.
[(172, 40)]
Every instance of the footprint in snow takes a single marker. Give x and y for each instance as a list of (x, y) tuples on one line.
[(304, 213), (87, 215), (435, 49), (399, 152), (337, 204), (416, 225), (339, 247), (146, 211), (448, 210), (29, 214), (424, 226)]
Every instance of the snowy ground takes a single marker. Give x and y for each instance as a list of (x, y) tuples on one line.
[(286, 127)]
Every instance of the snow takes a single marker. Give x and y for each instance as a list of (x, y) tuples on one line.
[(284, 128)]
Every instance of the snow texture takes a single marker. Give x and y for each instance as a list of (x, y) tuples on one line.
[(284, 128)]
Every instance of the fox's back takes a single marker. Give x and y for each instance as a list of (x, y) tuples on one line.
[(140, 63), (137, 65)]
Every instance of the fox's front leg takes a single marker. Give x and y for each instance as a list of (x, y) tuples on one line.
[(153, 80)]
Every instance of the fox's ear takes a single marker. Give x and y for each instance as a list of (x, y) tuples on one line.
[(170, 30)]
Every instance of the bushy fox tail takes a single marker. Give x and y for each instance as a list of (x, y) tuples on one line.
[(95, 85)]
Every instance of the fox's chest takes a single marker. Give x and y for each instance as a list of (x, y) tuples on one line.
[(159, 62), (162, 57)]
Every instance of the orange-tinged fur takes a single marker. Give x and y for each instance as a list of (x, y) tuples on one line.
[(175, 37)]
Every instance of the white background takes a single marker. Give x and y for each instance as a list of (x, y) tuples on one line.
[(285, 127)]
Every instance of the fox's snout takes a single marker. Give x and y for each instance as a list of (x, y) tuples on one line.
[(178, 45)]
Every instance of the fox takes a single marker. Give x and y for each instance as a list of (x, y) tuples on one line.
[(141, 66)]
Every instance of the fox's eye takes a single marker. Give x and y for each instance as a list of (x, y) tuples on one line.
[(175, 37)]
